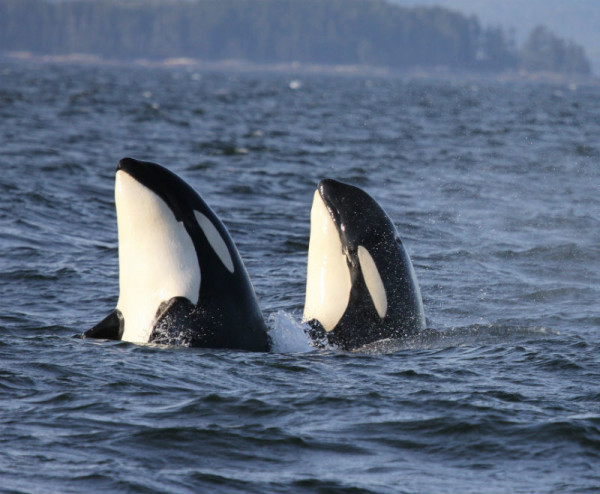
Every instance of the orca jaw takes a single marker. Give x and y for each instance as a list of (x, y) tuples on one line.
[(328, 281), (157, 258)]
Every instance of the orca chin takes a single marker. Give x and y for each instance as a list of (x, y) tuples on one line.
[(361, 286), (181, 278)]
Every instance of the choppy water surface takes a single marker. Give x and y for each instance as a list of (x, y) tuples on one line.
[(495, 189)]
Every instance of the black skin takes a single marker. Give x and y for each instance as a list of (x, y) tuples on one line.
[(227, 314), (360, 221), (110, 328)]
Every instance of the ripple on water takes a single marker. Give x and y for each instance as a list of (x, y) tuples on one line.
[(493, 192)]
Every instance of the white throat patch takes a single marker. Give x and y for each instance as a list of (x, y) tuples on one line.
[(328, 282), (157, 258)]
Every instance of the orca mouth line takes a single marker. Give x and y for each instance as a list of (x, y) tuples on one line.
[(348, 248), (333, 211)]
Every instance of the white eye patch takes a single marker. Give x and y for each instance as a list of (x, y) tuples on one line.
[(373, 281), (215, 240)]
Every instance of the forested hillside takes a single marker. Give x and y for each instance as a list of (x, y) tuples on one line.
[(365, 32), (578, 20)]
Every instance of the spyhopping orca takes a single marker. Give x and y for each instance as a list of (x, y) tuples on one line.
[(181, 277), (361, 286)]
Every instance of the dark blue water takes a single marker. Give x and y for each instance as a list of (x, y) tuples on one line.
[(495, 189)]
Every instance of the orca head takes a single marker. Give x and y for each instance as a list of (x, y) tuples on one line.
[(350, 237), (159, 219)]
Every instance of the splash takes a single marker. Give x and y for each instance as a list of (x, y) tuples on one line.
[(287, 334)]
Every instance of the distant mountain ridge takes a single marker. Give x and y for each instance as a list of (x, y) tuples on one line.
[(327, 32)]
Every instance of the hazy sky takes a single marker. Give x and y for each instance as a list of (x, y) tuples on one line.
[(578, 20)]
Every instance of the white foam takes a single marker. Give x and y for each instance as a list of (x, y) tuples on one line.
[(287, 334)]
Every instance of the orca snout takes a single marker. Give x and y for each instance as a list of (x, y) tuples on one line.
[(339, 192), (149, 174), (128, 164), (328, 186)]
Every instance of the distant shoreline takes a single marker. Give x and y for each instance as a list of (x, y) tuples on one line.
[(297, 68)]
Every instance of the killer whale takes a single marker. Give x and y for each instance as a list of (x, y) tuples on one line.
[(361, 286), (181, 278)]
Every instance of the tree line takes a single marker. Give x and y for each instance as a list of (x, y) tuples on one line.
[(353, 32)]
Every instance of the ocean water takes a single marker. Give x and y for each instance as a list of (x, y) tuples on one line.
[(495, 190)]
